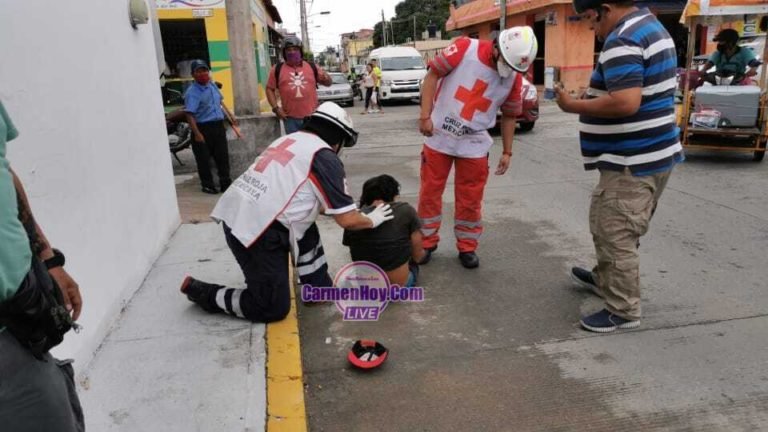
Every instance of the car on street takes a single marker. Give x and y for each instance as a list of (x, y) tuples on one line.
[(527, 119), (340, 91)]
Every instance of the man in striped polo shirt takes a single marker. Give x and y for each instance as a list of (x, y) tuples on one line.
[(628, 133)]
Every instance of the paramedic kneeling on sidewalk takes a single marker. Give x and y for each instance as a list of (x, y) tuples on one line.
[(270, 211), (628, 132)]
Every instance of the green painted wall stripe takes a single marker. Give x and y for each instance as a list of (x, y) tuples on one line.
[(218, 50)]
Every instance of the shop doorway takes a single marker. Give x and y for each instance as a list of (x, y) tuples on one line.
[(183, 41)]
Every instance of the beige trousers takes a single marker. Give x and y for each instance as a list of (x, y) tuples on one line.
[(620, 212)]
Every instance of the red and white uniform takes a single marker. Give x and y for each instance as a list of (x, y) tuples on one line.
[(469, 94), (289, 182)]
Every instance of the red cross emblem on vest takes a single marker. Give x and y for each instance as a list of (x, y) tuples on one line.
[(473, 99), (280, 154)]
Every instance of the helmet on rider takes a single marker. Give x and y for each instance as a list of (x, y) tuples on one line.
[(333, 125), (292, 41), (518, 48)]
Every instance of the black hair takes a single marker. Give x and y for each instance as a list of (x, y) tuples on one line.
[(327, 131), (383, 187)]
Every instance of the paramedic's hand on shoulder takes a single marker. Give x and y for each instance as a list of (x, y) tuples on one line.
[(381, 214)]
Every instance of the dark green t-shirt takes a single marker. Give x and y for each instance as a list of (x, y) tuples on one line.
[(388, 245)]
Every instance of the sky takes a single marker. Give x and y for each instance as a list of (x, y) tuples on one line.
[(346, 16)]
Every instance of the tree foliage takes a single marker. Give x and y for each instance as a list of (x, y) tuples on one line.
[(426, 11)]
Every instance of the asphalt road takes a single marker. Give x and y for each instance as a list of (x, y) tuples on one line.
[(499, 348)]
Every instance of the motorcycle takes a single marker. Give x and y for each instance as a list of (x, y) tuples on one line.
[(179, 132)]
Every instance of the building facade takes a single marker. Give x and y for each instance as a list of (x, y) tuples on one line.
[(566, 43), (92, 150), (197, 29), (355, 47)]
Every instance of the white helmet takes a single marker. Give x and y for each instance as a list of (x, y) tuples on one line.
[(338, 116), (518, 47)]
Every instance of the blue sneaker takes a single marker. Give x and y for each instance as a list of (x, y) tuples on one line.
[(585, 279), (606, 322)]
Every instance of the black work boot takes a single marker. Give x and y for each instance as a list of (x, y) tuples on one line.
[(469, 259), (202, 293)]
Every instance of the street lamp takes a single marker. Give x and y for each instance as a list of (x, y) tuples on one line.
[(304, 17)]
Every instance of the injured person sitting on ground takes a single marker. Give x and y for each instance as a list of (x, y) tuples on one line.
[(395, 246), (269, 212)]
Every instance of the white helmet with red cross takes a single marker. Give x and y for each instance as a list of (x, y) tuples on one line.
[(518, 47)]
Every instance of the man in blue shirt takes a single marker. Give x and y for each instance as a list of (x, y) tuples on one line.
[(205, 115), (730, 59), (628, 133)]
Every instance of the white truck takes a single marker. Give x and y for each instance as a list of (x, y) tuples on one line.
[(402, 71)]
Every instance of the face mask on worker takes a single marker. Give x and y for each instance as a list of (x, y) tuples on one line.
[(202, 78), (505, 70), (293, 58)]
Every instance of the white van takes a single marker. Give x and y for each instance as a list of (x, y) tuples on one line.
[(402, 70)]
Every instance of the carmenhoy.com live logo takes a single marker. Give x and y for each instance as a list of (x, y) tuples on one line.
[(362, 292)]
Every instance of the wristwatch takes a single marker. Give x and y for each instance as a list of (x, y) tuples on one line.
[(57, 260)]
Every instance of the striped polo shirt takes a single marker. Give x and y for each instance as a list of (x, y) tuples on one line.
[(638, 53)]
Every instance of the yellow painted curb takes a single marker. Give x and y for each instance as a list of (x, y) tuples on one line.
[(285, 379)]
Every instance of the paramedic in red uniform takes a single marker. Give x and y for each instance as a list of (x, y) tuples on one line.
[(462, 92)]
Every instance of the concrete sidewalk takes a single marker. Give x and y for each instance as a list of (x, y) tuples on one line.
[(167, 365)]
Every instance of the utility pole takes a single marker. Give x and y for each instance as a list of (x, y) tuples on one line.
[(383, 30), (503, 18), (244, 77), (414, 31), (304, 32)]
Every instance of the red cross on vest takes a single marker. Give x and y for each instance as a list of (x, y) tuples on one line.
[(473, 99), (279, 154)]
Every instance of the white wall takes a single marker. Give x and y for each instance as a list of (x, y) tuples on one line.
[(82, 88)]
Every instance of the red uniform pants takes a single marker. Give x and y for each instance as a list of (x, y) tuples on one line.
[(469, 183)]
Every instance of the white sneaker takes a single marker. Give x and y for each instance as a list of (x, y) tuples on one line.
[(375, 110), (371, 111)]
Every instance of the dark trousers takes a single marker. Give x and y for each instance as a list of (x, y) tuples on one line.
[(368, 94), (215, 146), (267, 297), (36, 395)]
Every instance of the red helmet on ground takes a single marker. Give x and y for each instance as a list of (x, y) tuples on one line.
[(367, 354)]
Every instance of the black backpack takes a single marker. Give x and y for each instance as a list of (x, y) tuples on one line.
[(279, 66)]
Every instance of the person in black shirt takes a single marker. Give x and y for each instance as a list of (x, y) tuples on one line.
[(395, 246)]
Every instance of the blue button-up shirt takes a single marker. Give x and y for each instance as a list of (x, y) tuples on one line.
[(204, 102)]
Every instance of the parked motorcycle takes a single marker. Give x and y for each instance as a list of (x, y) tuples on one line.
[(179, 132)]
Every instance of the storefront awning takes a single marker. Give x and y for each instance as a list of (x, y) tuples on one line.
[(481, 11), (272, 11), (723, 10)]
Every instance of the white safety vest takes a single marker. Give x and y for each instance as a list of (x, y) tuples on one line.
[(261, 194), (467, 103)]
